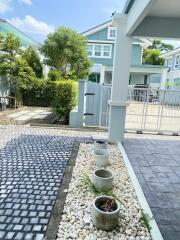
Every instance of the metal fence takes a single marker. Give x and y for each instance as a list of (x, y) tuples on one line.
[(153, 110), (149, 110)]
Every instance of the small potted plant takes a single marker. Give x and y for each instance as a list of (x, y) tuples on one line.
[(105, 212), (101, 157), (103, 180), (100, 144)]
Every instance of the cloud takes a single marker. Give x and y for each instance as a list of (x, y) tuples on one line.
[(29, 2), (5, 6), (32, 25)]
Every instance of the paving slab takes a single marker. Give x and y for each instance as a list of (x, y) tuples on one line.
[(32, 165), (156, 162)]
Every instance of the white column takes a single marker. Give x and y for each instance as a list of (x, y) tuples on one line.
[(102, 74), (163, 79), (121, 72)]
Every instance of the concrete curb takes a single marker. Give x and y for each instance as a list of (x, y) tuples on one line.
[(51, 233), (155, 232)]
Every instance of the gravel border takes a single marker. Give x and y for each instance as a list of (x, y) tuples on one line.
[(76, 219)]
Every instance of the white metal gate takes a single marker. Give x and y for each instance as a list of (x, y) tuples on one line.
[(149, 110), (153, 110)]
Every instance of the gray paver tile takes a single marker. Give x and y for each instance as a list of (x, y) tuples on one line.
[(160, 180), (32, 166)]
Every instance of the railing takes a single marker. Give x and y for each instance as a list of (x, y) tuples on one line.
[(153, 110)]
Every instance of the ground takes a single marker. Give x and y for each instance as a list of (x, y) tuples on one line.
[(33, 161), (156, 162), (32, 164), (28, 115)]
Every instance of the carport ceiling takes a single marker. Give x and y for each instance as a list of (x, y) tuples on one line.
[(165, 8)]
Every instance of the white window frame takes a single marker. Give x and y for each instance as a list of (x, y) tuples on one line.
[(167, 62), (91, 50), (109, 33), (102, 50), (176, 65)]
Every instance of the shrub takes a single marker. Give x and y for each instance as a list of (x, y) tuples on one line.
[(61, 95), (65, 98)]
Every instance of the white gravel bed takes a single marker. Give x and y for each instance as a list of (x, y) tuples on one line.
[(76, 219)]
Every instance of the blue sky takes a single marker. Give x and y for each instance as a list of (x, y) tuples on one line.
[(39, 17)]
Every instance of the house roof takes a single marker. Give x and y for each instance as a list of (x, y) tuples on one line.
[(108, 24), (6, 27), (97, 28), (170, 53)]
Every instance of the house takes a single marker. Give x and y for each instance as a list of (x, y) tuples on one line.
[(172, 61), (26, 41), (101, 47)]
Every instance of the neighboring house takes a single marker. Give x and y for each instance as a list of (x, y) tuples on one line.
[(172, 61), (26, 41), (101, 44)]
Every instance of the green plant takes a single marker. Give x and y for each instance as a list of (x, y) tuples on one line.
[(66, 51), (146, 220), (85, 182), (62, 95)]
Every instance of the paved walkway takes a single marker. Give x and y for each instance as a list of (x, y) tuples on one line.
[(156, 162), (32, 163)]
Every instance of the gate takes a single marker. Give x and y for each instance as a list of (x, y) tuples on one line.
[(153, 110), (96, 110), (149, 109)]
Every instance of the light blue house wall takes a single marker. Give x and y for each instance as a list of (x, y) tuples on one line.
[(173, 76), (101, 35), (103, 66)]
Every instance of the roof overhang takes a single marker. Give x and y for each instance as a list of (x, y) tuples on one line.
[(153, 18), (148, 69)]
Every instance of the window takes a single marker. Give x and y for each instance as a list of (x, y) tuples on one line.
[(111, 33), (90, 50), (106, 51), (99, 50), (176, 65)]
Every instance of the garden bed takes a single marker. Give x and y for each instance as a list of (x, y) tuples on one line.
[(76, 219)]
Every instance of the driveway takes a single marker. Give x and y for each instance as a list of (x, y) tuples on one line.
[(32, 164), (156, 162)]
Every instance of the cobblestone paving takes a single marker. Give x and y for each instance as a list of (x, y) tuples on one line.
[(156, 162), (32, 163)]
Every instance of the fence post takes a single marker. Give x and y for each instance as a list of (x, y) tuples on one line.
[(77, 116)]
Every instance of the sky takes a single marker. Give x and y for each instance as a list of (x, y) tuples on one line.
[(38, 18)]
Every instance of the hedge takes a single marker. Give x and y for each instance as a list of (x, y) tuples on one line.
[(61, 95)]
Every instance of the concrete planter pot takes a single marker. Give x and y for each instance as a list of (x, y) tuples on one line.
[(101, 219), (100, 144), (103, 180), (101, 157)]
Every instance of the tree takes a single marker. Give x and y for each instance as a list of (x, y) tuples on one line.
[(33, 60), (12, 66), (152, 54), (163, 47), (66, 51)]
